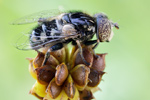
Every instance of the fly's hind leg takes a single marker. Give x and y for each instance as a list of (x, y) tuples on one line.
[(81, 53), (51, 49)]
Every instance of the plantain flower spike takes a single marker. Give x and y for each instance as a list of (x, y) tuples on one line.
[(65, 76)]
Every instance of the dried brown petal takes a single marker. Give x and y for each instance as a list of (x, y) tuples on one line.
[(61, 74), (45, 74), (95, 77), (69, 87), (99, 63), (37, 62), (53, 89), (86, 95), (60, 55), (88, 55), (80, 75), (52, 61)]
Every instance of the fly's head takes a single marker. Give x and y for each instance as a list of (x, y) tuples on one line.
[(104, 27)]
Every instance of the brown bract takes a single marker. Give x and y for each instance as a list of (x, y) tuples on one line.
[(61, 74), (99, 63), (53, 89), (45, 74), (65, 76), (86, 95)]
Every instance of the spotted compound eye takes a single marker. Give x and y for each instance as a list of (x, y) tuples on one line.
[(103, 29)]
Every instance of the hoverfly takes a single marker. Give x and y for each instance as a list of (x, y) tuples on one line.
[(54, 30)]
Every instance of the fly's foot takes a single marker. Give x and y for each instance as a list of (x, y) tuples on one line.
[(87, 64)]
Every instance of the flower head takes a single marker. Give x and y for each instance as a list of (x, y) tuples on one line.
[(65, 76)]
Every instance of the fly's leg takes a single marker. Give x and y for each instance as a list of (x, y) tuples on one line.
[(97, 42), (51, 49), (91, 43), (81, 53)]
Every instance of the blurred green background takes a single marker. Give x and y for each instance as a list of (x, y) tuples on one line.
[(127, 62)]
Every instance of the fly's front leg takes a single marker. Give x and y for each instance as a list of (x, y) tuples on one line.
[(81, 53), (91, 43), (97, 42), (51, 49), (87, 43)]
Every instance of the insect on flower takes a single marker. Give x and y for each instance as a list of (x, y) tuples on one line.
[(56, 29)]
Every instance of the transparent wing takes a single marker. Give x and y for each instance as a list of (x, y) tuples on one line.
[(24, 43), (21, 41), (46, 15)]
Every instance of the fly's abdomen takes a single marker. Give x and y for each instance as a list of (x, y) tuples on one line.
[(44, 33)]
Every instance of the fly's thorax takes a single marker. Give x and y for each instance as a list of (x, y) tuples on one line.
[(68, 29)]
